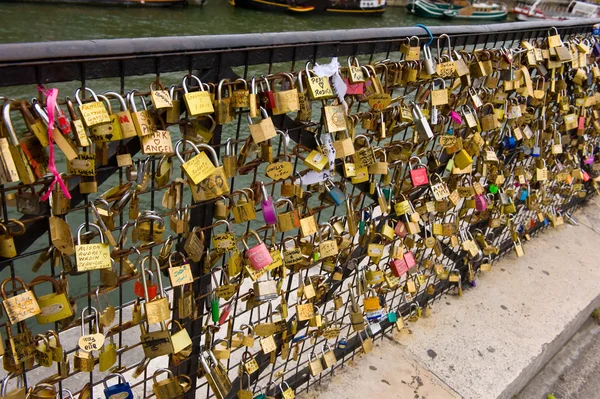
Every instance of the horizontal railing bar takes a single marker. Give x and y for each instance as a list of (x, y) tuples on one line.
[(80, 49)]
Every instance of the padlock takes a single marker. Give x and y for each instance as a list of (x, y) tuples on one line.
[(197, 102), (169, 387), (328, 247), (194, 244), (138, 286), (63, 142), (53, 306), (318, 86), (216, 375), (287, 393), (29, 202), (243, 211), (17, 393), (148, 227), (419, 175), (181, 340), (224, 112), (221, 349), (92, 256), (93, 113), (289, 220), (42, 391), (29, 166), (158, 309), (263, 130), (7, 234), (258, 255), (421, 124), (268, 207), (21, 306), (285, 100), (121, 390), (230, 160)]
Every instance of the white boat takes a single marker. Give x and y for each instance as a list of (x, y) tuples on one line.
[(540, 10)]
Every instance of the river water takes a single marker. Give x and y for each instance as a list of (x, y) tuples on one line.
[(69, 22)]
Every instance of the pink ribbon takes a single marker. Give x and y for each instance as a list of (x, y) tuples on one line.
[(52, 95)]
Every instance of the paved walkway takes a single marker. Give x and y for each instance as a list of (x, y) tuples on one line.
[(493, 340)]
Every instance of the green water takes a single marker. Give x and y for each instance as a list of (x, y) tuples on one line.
[(44, 22)]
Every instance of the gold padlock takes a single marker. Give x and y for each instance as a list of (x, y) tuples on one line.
[(7, 234)]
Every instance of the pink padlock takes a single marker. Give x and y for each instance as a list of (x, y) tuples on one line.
[(259, 255), (409, 258), (268, 208), (400, 229), (480, 202), (418, 176)]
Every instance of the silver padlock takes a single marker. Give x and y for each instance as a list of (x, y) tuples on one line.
[(421, 123), (428, 62), (265, 290)]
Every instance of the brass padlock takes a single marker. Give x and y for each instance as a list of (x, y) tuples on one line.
[(7, 234)]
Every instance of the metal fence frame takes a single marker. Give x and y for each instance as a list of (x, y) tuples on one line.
[(212, 58)]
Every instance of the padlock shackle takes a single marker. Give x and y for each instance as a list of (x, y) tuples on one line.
[(114, 94), (90, 310), (87, 89), (106, 103), (119, 376), (131, 99), (449, 46), (157, 272), (213, 153), (184, 82), (184, 141), (93, 225), (12, 135)]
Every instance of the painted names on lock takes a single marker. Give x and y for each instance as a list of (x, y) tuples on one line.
[(157, 143), (180, 275), (92, 257), (279, 170), (379, 102), (320, 86), (94, 113), (198, 103), (161, 99), (92, 342), (83, 165), (21, 307), (199, 168)]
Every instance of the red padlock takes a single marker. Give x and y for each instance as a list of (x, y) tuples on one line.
[(354, 88), (585, 176), (418, 176), (138, 287), (398, 267), (259, 255), (266, 97), (63, 122)]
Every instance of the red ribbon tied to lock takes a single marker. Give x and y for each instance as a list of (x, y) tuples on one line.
[(51, 96)]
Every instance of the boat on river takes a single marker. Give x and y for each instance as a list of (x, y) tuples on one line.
[(550, 10), (311, 6), (119, 3), (458, 10)]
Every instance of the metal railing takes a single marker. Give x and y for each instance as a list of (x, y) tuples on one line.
[(132, 61)]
